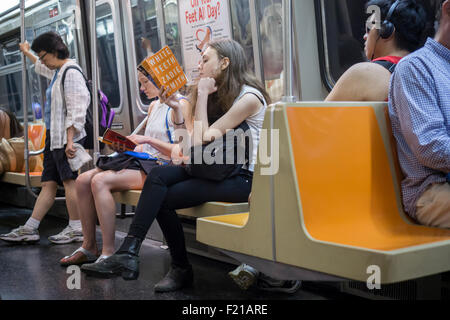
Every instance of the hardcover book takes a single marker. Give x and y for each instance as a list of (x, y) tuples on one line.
[(163, 69)]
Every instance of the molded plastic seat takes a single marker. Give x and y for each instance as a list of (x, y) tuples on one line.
[(236, 220), (336, 200), (131, 197), (36, 134), (19, 178)]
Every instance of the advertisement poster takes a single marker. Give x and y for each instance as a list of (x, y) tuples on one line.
[(201, 21)]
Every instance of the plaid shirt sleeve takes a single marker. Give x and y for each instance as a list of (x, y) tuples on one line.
[(77, 99), (42, 70), (422, 122)]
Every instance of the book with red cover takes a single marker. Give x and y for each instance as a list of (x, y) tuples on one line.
[(111, 136)]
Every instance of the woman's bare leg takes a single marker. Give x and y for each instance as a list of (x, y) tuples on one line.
[(103, 184), (86, 209)]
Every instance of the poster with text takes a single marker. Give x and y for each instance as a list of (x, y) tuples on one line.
[(201, 21)]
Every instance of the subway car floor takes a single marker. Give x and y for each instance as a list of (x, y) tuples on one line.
[(32, 272)]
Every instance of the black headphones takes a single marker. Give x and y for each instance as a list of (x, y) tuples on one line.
[(387, 28)]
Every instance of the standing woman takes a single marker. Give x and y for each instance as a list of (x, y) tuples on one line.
[(225, 96), (64, 116)]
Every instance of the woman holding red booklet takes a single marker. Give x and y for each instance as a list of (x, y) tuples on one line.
[(226, 96), (125, 172)]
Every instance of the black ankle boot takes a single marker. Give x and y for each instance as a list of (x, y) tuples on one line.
[(128, 257), (125, 262), (175, 279), (130, 245)]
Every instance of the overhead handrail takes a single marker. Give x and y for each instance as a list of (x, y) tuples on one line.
[(288, 80), (6, 12)]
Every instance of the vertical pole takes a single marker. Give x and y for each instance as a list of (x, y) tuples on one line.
[(24, 77), (256, 39), (94, 70), (287, 45), (26, 152)]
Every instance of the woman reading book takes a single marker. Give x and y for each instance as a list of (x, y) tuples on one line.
[(125, 172), (226, 96)]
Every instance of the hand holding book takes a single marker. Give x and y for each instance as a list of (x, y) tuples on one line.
[(117, 141), (172, 101), (138, 139)]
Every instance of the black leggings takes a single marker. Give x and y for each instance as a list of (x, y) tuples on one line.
[(168, 188)]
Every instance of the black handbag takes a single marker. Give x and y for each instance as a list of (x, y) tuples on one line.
[(222, 158)]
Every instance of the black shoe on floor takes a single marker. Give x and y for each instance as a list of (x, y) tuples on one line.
[(125, 265), (125, 262), (176, 279)]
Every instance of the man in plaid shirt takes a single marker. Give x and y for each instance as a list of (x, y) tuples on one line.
[(419, 108), (65, 126)]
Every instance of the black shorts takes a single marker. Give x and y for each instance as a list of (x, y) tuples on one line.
[(56, 166)]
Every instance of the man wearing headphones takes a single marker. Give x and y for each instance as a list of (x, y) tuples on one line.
[(419, 108), (392, 32)]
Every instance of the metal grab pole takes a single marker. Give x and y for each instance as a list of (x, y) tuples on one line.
[(93, 42), (288, 80), (26, 152)]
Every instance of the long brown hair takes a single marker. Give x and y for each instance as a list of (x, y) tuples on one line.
[(230, 81)]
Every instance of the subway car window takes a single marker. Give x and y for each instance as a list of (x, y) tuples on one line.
[(172, 27), (11, 92), (343, 26), (242, 30), (10, 75), (107, 58), (9, 52), (271, 35), (145, 28)]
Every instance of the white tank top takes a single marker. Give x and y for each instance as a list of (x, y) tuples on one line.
[(255, 122), (159, 121)]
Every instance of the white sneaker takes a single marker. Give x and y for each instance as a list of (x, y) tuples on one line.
[(21, 234), (68, 235)]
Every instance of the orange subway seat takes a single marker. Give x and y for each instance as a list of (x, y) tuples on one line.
[(345, 181)]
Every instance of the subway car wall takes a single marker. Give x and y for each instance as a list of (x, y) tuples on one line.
[(128, 31)]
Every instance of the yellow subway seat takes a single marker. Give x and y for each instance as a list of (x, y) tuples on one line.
[(239, 219)]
